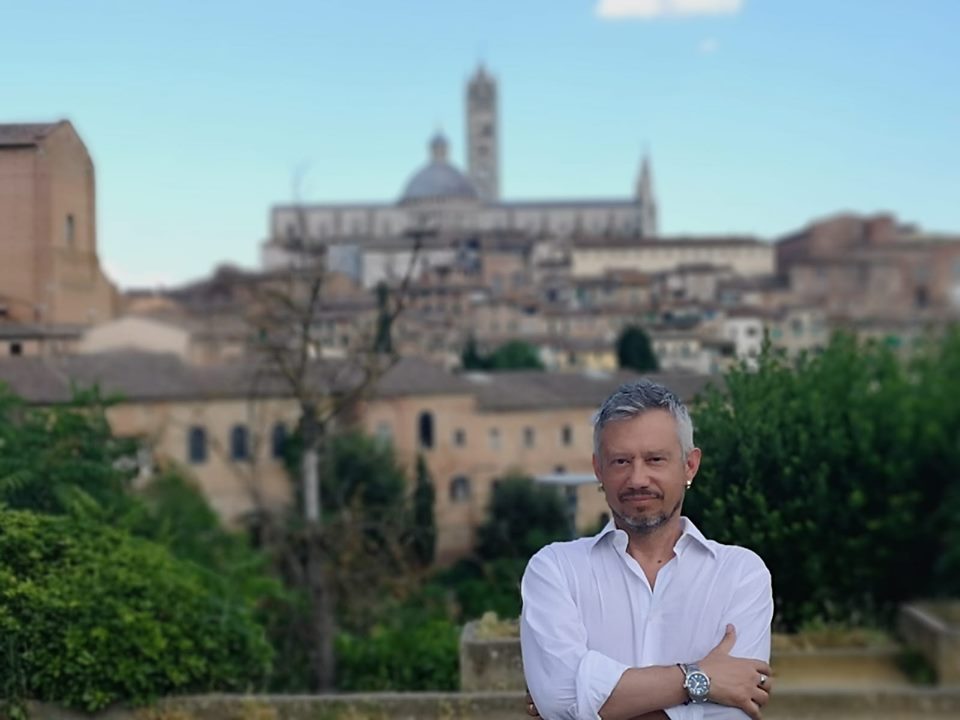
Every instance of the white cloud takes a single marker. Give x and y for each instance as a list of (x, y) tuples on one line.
[(649, 9), (708, 46)]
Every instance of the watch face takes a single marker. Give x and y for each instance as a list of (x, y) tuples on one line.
[(698, 685)]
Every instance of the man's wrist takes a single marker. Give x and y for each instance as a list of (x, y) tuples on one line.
[(696, 683)]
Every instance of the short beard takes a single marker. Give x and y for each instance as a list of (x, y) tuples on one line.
[(645, 525)]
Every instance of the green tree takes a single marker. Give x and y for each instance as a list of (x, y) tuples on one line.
[(90, 616), (523, 516), (62, 458), (471, 358), (512, 355), (515, 355), (635, 351), (832, 469), (424, 525)]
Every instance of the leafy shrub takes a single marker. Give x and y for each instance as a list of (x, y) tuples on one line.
[(400, 656), (523, 517), (90, 615), (835, 469)]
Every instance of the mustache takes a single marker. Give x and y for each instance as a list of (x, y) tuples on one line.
[(628, 494)]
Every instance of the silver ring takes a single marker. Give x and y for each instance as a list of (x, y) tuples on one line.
[(763, 680)]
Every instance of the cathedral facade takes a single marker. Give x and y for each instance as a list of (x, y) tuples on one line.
[(439, 196)]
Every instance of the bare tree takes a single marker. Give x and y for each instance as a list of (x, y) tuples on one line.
[(285, 313)]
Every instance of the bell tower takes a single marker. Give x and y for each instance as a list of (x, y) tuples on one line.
[(483, 163)]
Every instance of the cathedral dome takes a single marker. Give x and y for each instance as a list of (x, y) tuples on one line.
[(438, 179)]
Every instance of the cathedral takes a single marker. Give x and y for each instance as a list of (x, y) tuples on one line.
[(439, 196)]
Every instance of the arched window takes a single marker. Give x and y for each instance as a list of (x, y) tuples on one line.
[(460, 489), (197, 445), (278, 440), (239, 443), (566, 435), (425, 428)]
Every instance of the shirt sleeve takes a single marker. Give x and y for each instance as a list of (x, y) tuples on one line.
[(751, 610), (566, 680), (751, 613), (687, 712)]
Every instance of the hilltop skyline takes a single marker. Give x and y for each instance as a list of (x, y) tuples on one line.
[(757, 118)]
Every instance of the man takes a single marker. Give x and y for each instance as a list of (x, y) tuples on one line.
[(648, 619)]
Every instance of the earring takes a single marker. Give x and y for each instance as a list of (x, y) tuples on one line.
[(689, 483)]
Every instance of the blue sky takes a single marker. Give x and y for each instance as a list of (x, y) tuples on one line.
[(759, 114)]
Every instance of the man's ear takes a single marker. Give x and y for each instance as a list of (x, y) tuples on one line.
[(692, 465), (596, 468)]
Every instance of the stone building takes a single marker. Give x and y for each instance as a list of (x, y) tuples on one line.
[(872, 267), (50, 271), (441, 197), (225, 424)]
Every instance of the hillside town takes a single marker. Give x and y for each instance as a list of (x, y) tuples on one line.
[(458, 266)]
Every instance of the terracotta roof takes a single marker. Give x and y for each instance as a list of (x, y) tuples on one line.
[(535, 389)]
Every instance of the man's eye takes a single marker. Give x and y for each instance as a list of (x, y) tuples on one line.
[(656, 460)]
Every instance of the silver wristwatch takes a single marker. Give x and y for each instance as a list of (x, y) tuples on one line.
[(696, 682)]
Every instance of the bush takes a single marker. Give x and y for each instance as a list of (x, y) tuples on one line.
[(90, 616), (523, 517), (833, 469), (400, 656)]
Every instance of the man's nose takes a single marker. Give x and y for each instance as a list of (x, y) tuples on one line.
[(639, 477)]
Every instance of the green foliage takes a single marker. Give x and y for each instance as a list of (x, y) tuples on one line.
[(176, 515), (423, 526), (62, 459), (484, 586), (834, 471), (523, 517), (411, 656), (90, 616), (635, 351), (512, 355)]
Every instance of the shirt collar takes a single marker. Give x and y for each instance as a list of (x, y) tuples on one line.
[(689, 535)]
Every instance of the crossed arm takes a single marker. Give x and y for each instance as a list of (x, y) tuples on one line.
[(569, 681)]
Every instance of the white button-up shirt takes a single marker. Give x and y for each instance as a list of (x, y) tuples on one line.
[(589, 614)]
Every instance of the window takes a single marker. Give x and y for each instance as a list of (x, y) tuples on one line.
[(197, 445), (425, 428), (278, 440), (16, 348), (566, 435), (239, 443), (68, 231), (460, 437), (384, 432), (460, 489), (494, 438), (528, 437)]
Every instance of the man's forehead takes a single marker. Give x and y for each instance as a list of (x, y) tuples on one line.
[(659, 428)]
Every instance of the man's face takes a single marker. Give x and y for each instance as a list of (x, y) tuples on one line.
[(643, 470)]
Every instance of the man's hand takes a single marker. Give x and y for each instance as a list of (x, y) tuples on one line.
[(531, 708), (736, 682)]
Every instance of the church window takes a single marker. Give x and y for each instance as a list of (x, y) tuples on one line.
[(425, 430), (197, 445), (278, 440), (460, 489), (68, 231), (529, 437), (239, 443)]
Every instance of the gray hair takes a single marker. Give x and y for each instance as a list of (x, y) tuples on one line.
[(636, 398)]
